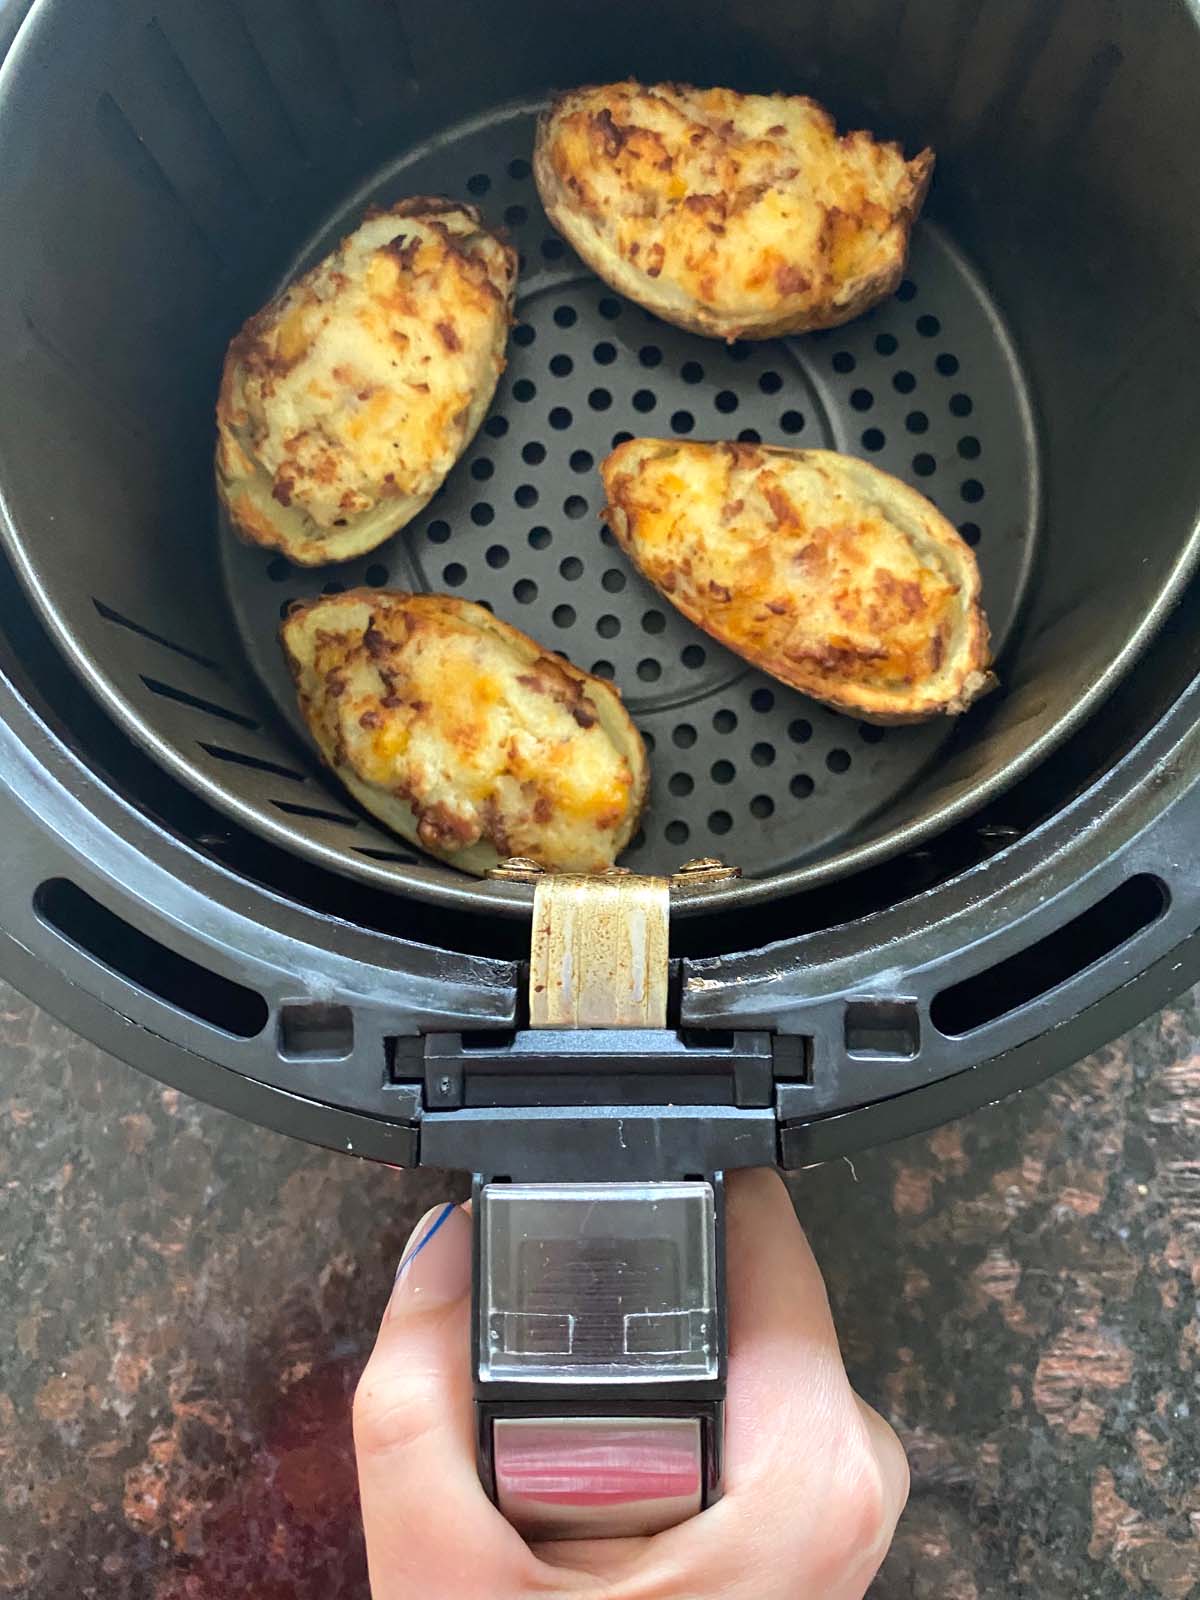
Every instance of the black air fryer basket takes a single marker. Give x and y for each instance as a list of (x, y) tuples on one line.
[(928, 917)]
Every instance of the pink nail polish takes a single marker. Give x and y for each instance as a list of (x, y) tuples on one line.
[(435, 1267)]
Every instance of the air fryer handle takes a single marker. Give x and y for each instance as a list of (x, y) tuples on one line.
[(599, 1344)]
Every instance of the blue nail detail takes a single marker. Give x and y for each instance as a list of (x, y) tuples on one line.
[(425, 1237)]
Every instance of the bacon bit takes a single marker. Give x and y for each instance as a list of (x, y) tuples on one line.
[(718, 591), (442, 828), (370, 719), (542, 809), (403, 248), (734, 508), (655, 260), (937, 651), (791, 280), (282, 490), (779, 608), (584, 715), (421, 388), (393, 702), (635, 250), (375, 643), (448, 334), (612, 137), (776, 130), (530, 680), (335, 685)]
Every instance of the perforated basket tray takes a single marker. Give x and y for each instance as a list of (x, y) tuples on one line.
[(928, 386)]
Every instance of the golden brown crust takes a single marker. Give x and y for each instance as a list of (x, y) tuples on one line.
[(344, 403), (461, 734), (834, 577), (733, 216)]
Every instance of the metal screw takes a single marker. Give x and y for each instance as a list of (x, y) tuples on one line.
[(704, 869), (517, 869)]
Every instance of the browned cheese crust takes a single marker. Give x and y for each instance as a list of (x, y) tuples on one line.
[(346, 401), (462, 734), (731, 215), (834, 577)]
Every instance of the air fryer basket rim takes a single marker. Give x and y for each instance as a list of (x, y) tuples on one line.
[(1139, 819)]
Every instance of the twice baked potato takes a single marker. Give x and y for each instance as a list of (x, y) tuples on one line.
[(346, 401), (740, 216), (834, 577), (462, 735)]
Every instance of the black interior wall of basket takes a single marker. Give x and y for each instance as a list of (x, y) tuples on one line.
[(187, 155)]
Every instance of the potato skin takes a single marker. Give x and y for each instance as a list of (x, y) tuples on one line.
[(462, 735), (345, 402), (831, 575), (734, 216)]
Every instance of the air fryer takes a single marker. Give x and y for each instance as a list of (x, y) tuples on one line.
[(927, 918)]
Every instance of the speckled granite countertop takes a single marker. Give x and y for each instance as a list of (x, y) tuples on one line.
[(185, 1302)]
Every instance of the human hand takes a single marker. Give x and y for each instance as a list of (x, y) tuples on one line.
[(814, 1478)]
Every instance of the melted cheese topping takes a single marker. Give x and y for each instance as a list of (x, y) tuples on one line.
[(819, 568), (431, 703), (745, 206), (358, 388)]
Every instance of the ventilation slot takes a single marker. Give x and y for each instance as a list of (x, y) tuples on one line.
[(1052, 961), (120, 621), (315, 812), (239, 758), (181, 697), (133, 955)]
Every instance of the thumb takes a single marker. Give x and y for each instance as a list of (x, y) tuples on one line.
[(430, 1528)]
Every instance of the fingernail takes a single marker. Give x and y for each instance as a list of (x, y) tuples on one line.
[(435, 1267)]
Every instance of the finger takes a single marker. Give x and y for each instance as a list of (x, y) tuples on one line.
[(430, 1528), (813, 1485)]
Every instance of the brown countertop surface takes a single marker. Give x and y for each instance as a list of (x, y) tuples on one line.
[(186, 1301)]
